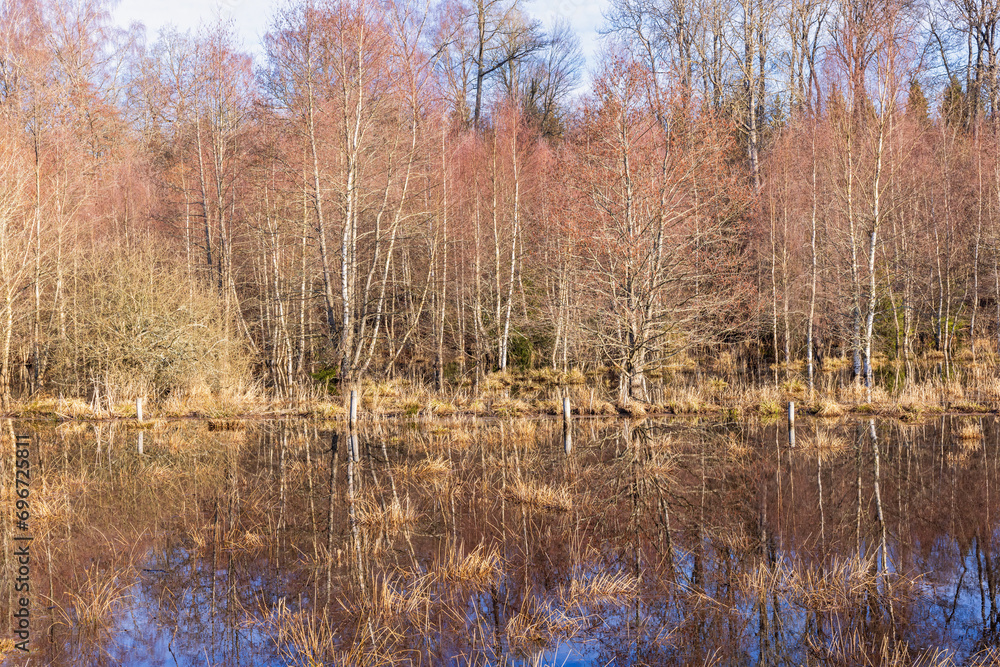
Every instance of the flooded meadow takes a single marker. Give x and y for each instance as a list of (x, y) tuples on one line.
[(505, 542)]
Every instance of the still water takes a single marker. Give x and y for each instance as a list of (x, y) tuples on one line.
[(498, 543)]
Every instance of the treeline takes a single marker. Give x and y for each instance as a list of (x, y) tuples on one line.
[(395, 189)]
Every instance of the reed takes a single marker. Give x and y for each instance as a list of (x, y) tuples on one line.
[(7, 647), (600, 588), (429, 468), (395, 514), (479, 568), (97, 600), (828, 408), (540, 495), (302, 637), (969, 430), (825, 443), (535, 624)]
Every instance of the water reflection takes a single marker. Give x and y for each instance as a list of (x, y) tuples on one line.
[(515, 542)]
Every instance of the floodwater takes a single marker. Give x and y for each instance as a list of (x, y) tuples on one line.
[(678, 542)]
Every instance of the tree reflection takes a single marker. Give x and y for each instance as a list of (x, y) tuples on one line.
[(682, 542)]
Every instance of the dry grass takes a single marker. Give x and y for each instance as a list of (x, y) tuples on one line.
[(839, 586), (986, 386), (685, 400), (302, 637), (97, 600), (535, 624), (970, 430), (831, 364), (855, 648), (602, 407), (540, 495), (737, 449), (659, 464), (496, 382), (63, 408), (825, 443), (479, 569), (769, 408), (793, 386), (516, 393), (633, 408), (441, 408), (429, 468), (390, 598), (247, 541), (511, 407), (985, 658), (524, 432), (328, 410), (395, 514), (601, 588), (200, 400), (828, 408), (226, 425), (49, 507), (920, 394)]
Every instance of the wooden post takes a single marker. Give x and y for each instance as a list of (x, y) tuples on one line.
[(138, 408), (566, 412), (140, 442), (354, 409), (791, 423)]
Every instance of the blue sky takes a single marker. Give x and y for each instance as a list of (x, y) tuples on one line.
[(251, 17)]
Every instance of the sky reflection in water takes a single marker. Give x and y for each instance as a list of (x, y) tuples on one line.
[(660, 542)]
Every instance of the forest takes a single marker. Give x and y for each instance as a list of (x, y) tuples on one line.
[(802, 195)]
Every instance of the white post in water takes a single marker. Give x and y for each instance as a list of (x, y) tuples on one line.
[(567, 428), (352, 441), (138, 412), (354, 408), (791, 423)]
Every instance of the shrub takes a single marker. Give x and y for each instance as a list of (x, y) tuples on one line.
[(142, 327)]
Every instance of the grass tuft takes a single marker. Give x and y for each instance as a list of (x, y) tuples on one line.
[(828, 408), (969, 431), (480, 568), (540, 495), (601, 588)]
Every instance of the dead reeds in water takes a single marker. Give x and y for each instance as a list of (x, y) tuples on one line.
[(479, 569), (540, 495), (824, 443), (970, 430), (302, 637), (429, 468), (843, 585), (96, 602), (537, 624), (828, 409), (392, 515), (600, 588)]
